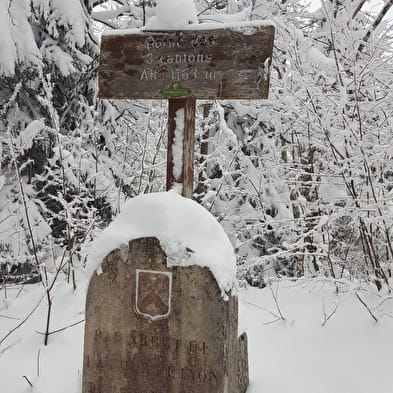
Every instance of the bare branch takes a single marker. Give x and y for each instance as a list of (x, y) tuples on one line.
[(10, 346), (327, 317), (265, 309), (358, 8), (63, 328), (105, 22), (24, 199), (24, 320), (274, 321), (276, 301), (367, 307), (28, 381), (6, 316), (388, 5), (111, 14)]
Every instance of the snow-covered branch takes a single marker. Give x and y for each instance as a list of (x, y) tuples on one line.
[(377, 21)]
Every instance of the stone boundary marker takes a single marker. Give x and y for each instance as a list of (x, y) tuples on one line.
[(154, 329)]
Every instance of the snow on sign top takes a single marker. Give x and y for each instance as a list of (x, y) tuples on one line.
[(208, 61), (246, 27), (181, 225), (173, 14)]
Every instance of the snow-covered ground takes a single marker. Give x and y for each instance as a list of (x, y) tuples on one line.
[(309, 352), (328, 342)]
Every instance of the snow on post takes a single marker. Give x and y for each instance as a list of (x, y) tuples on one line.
[(187, 232), (173, 14), (158, 317)]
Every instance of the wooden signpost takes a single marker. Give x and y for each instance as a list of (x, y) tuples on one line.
[(182, 66)]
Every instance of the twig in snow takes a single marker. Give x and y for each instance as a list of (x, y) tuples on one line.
[(24, 320), (264, 309), (385, 314), (367, 307), (48, 295), (274, 320), (327, 317), (385, 300), (38, 362), (63, 328), (6, 316), (19, 292), (9, 346), (28, 381), (276, 301)]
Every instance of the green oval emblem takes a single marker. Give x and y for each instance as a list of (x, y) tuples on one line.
[(175, 90)]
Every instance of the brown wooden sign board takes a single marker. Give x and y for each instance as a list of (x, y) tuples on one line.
[(228, 63)]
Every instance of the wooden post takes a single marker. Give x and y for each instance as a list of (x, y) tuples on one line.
[(186, 178), (201, 187)]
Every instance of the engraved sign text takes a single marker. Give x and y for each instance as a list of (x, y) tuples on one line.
[(228, 63)]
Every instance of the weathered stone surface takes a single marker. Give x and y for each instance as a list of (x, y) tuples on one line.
[(223, 63), (153, 329)]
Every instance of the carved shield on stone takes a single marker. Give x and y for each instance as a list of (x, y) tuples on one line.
[(153, 293)]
